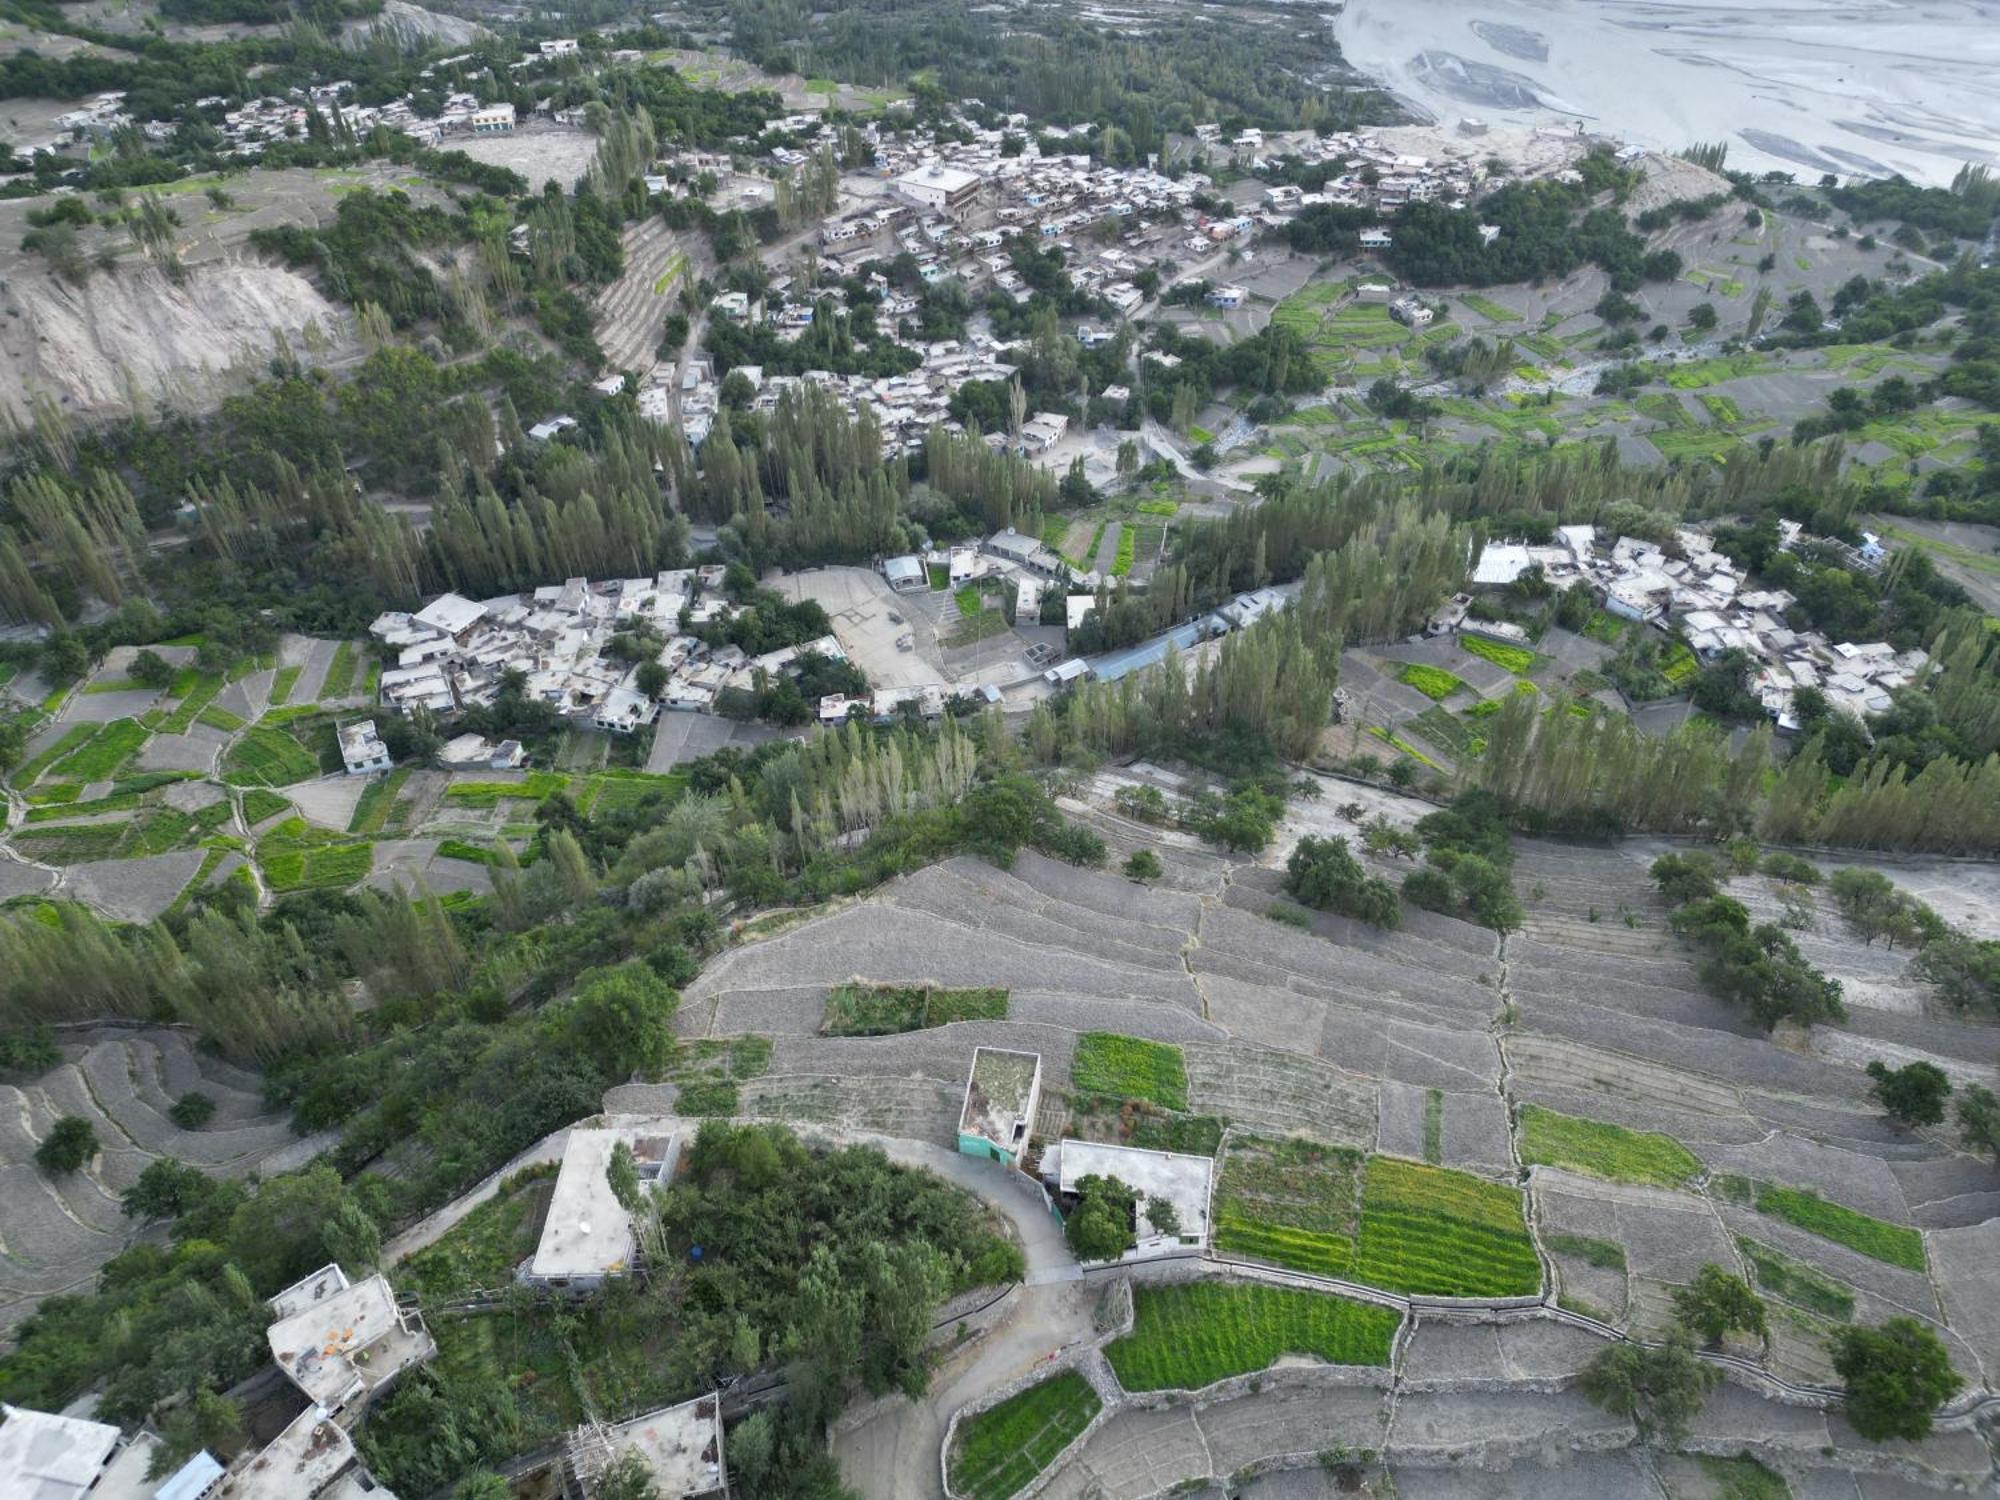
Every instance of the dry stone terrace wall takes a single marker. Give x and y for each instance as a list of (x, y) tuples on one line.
[(56, 1231)]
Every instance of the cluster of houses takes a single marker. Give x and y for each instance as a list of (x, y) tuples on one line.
[(455, 652), (1699, 594)]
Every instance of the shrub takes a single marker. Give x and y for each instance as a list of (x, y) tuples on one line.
[(1143, 865), (1894, 1376), (69, 1145), (1791, 867), (192, 1111)]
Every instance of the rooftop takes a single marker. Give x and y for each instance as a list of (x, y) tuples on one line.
[(588, 1232), (348, 1342), (999, 1094), (682, 1444), (299, 1462), (47, 1457), (1180, 1179)]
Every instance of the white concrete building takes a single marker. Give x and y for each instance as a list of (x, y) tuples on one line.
[(587, 1237), (1171, 1177), (340, 1342), (362, 750)]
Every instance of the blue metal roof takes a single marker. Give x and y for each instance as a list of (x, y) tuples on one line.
[(193, 1480), (1122, 663)]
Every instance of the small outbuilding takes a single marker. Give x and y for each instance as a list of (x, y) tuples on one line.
[(997, 1120)]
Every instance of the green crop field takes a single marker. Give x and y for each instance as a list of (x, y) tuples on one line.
[(999, 1450), (100, 757), (1604, 1150), (1432, 1231), (1488, 309), (339, 672), (1893, 1244), (1515, 659), (884, 1010), (1778, 1275), (1291, 1202), (472, 854), (970, 601), (72, 739), (372, 810), (267, 756), (1128, 542), (259, 804), (534, 787), (1437, 725), (613, 795), (283, 684), (196, 695), (1679, 665), (1606, 1255), (1433, 682), (1126, 1067), (324, 867), (1192, 1335)]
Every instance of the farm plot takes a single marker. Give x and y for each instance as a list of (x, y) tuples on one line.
[(1289, 1202), (1892, 1244), (882, 1010), (99, 758), (1189, 1336), (1285, 1093), (996, 1452), (1128, 1067), (268, 756), (1604, 1150), (1433, 1231), (1778, 1275), (295, 856)]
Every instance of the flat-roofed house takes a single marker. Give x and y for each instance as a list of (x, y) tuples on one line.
[(340, 1342), (997, 1120), (587, 1238)]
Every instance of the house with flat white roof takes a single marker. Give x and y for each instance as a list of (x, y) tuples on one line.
[(340, 1341), (587, 1237), (304, 1462), (362, 750), (1170, 1176), (44, 1456)]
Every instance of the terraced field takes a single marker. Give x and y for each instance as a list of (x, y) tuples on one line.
[(56, 1231)]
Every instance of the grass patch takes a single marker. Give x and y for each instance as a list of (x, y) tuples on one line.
[(481, 1250), (220, 718), (1159, 507), (1606, 1255), (472, 854), (1129, 1068), (1786, 1279), (1742, 1477), (1604, 1150), (1721, 409), (55, 812), (884, 1010), (283, 683), (998, 1451), (1291, 1202), (970, 601), (1892, 1244), (1434, 1126), (372, 811), (196, 702), (99, 758), (1515, 659), (1679, 665), (1189, 1336), (1434, 683), (613, 794), (1432, 1231), (295, 856)]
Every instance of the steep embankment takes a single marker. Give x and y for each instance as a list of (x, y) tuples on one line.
[(132, 336)]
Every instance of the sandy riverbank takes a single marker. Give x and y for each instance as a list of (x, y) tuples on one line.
[(1808, 86)]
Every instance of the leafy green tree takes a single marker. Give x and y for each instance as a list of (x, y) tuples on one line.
[(280, 1232), (1100, 1226), (150, 669), (622, 1019), (1894, 1377), (1660, 1388), (626, 1477), (1324, 874), (1913, 1094), (1163, 1216), (1143, 865), (166, 1189), (487, 1485), (1979, 1119), (192, 1111), (1716, 1302), (69, 1145)]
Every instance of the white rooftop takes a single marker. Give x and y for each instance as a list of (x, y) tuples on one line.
[(1501, 563), (299, 1463), (1175, 1176), (47, 1457), (588, 1232), (450, 613), (350, 1339)]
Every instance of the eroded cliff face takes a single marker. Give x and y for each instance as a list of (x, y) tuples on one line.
[(130, 338)]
